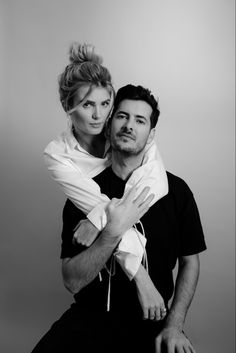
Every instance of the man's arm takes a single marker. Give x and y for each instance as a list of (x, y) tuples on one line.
[(172, 336), (81, 269), (151, 301)]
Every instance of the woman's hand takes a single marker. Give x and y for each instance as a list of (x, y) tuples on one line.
[(85, 232), (123, 213), (151, 301)]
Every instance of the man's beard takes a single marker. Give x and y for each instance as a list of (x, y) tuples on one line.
[(127, 151)]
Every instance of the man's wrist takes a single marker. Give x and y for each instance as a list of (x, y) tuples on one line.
[(174, 321)]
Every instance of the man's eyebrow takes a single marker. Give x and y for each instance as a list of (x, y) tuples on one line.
[(141, 117), (136, 116), (122, 112)]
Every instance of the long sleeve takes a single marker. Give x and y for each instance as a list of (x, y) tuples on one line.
[(73, 168)]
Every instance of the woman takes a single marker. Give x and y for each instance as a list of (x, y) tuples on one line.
[(76, 156)]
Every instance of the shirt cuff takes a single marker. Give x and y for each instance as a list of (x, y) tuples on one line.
[(98, 216), (130, 252)]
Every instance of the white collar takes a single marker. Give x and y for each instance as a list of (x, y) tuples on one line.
[(73, 144)]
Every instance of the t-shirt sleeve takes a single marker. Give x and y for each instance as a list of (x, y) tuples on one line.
[(191, 233), (71, 217)]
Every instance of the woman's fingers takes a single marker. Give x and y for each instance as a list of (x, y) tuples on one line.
[(163, 312), (142, 196), (155, 314), (130, 194), (145, 205), (147, 201)]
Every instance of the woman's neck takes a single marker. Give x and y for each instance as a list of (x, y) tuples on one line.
[(93, 144)]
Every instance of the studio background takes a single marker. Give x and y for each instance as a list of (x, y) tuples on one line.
[(182, 50)]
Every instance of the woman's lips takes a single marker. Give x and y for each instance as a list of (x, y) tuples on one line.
[(96, 125)]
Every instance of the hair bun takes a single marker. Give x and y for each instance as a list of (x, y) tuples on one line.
[(80, 53)]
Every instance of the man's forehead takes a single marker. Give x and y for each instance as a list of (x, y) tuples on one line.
[(135, 107)]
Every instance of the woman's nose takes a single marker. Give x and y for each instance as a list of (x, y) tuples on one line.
[(96, 113)]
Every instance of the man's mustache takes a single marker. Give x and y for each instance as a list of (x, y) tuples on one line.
[(126, 133)]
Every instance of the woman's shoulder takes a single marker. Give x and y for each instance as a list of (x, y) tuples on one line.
[(59, 144)]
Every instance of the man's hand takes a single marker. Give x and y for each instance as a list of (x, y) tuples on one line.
[(171, 340), (150, 299), (123, 213), (85, 232)]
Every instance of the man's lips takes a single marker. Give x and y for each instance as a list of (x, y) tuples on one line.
[(126, 136)]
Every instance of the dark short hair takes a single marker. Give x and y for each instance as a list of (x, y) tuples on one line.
[(138, 93)]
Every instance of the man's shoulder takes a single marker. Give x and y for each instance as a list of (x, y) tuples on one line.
[(175, 180), (177, 185)]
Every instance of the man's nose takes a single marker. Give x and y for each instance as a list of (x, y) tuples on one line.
[(128, 125)]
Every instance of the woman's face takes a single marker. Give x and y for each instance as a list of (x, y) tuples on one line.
[(89, 115)]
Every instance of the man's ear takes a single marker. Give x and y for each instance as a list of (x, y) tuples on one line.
[(151, 135)]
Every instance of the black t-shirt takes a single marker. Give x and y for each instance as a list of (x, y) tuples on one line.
[(172, 228)]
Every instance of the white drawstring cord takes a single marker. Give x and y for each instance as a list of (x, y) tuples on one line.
[(111, 273), (100, 276)]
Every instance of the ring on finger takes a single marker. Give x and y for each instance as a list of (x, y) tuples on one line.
[(163, 311)]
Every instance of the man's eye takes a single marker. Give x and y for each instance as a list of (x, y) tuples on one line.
[(140, 121)]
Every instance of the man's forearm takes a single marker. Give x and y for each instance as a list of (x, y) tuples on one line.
[(84, 267), (121, 215), (185, 287)]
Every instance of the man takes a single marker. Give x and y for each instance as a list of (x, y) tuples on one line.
[(95, 278)]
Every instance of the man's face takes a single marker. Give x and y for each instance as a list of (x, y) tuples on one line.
[(130, 128)]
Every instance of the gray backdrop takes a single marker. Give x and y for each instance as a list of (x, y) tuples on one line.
[(184, 51)]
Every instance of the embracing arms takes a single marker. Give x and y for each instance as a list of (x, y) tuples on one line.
[(81, 269)]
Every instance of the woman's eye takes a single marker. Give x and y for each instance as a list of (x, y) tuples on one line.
[(105, 104), (86, 104), (120, 116)]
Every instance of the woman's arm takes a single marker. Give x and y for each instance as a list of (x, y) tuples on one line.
[(68, 169), (81, 269)]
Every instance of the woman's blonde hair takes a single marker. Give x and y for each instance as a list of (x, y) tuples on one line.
[(85, 68)]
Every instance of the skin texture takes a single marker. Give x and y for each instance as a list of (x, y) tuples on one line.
[(89, 116), (130, 129)]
